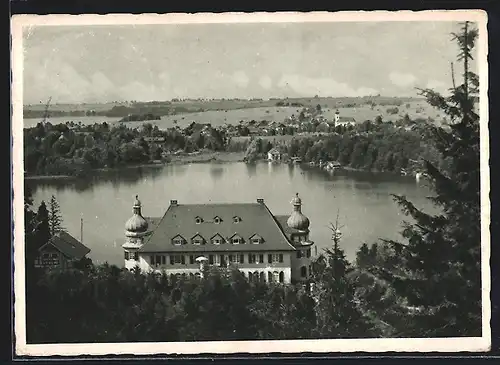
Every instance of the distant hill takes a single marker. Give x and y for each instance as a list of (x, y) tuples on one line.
[(164, 108)]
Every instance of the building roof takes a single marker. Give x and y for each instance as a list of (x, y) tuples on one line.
[(346, 119), (180, 219), (68, 245)]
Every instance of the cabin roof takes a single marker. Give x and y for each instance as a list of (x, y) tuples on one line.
[(67, 245)]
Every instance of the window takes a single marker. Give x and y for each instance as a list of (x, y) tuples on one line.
[(217, 220), (236, 219), (177, 241), (262, 277), (163, 259), (152, 260), (54, 255), (236, 241), (276, 277), (299, 254), (251, 258), (303, 271), (274, 258), (191, 259), (158, 259), (45, 256), (282, 277), (261, 258), (177, 259), (308, 252), (211, 259), (198, 220), (197, 241), (217, 259), (217, 240), (270, 277), (242, 259), (256, 240), (231, 259)]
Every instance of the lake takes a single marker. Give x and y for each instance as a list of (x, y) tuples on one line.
[(104, 200)]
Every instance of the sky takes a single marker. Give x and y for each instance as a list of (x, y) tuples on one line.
[(76, 64)]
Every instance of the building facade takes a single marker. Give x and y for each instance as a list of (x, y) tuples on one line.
[(247, 236)]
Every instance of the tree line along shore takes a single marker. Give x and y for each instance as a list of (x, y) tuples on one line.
[(71, 149)]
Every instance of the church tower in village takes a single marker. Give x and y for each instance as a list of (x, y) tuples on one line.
[(337, 116), (136, 230)]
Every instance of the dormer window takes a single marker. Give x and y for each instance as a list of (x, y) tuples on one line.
[(256, 239), (197, 240), (236, 219), (236, 239), (217, 239), (178, 241), (217, 220), (198, 220)]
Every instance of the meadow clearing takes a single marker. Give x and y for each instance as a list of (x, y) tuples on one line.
[(416, 109)]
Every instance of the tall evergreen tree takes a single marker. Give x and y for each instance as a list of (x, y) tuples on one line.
[(438, 270), (55, 217), (43, 228), (337, 311)]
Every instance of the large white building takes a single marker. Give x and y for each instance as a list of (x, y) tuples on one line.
[(248, 236)]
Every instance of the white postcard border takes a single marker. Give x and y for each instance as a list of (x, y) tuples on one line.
[(19, 22)]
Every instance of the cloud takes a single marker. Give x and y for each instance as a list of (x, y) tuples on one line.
[(322, 86), (402, 79), (241, 79), (266, 82)]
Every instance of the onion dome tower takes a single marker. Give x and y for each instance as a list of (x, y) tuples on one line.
[(297, 220), (136, 230), (136, 226)]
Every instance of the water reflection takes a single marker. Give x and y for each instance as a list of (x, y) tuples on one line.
[(251, 169), (216, 172)]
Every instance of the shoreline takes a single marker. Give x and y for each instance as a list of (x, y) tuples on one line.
[(198, 158), (203, 157)]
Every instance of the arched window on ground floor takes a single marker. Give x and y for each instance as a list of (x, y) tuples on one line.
[(303, 271), (262, 277), (282, 277)]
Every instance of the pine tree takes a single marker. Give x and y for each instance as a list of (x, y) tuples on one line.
[(337, 311), (42, 233), (55, 218), (438, 271)]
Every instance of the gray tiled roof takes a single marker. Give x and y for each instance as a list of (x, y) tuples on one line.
[(68, 245), (181, 220)]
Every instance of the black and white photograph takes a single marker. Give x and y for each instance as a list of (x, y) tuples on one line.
[(250, 183)]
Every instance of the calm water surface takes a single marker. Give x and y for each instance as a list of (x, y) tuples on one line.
[(104, 200)]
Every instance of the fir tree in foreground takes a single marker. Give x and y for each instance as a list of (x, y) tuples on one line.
[(437, 270), (55, 217)]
